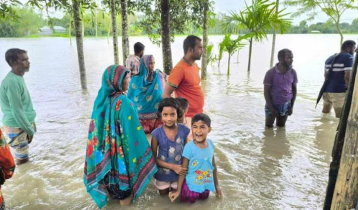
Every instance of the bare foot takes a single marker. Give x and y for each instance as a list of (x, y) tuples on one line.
[(127, 201)]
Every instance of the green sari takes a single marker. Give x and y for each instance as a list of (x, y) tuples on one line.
[(117, 146)]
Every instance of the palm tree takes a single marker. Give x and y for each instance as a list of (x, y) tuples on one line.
[(259, 19), (231, 46)]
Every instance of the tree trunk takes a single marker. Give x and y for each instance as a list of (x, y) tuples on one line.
[(346, 189), (228, 65), (204, 62), (79, 42), (340, 32), (339, 140), (70, 29), (125, 40), (274, 38), (250, 52), (96, 22), (165, 26), (114, 31), (83, 25)]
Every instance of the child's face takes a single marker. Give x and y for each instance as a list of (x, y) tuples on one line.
[(200, 131), (169, 116)]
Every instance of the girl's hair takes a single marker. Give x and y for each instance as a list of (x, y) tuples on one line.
[(183, 102), (169, 102), (203, 117)]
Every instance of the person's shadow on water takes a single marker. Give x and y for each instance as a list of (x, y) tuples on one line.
[(275, 148)]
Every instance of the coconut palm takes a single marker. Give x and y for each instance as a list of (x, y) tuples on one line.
[(259, 18)]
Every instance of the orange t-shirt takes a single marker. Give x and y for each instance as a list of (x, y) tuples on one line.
[(186, 80)]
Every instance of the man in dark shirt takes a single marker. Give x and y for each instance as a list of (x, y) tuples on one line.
[(335, 91)]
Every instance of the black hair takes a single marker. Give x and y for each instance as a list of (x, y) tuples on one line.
[(183, 103), (190, 41), (11, 55), (348, 43), (281, 54), (203, 117), (169, 102), (138, 47)]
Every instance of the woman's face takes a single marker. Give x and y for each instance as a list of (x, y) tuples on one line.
[(151, 64), (126, 80)]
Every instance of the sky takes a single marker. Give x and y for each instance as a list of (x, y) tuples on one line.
[(224, 6)]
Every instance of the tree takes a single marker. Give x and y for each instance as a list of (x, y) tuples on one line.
[(274, 38), (75, 7), (334, 9), (125, 40), (205, 39), (164, 18), (114, 30), (258, 19), (231, 46), (7, 10)]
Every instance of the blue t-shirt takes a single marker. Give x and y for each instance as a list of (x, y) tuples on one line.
[(170, 151), (200, 168), (336, 82)]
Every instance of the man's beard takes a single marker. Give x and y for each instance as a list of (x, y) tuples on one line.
[(287, 65)]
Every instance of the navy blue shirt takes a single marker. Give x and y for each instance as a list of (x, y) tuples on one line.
[(170, 151), (342, 63)]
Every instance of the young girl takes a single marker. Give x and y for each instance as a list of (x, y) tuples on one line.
[(169, 140), (184, 106), (198, 157)]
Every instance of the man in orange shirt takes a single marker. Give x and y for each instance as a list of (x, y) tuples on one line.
[(184, 78)]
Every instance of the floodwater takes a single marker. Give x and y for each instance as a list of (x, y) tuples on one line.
[(258, 168)]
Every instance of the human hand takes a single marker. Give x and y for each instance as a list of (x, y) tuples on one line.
[(218, 192), (29, 138), (173, 195), (290, 111), (178, 169), (274, 113)]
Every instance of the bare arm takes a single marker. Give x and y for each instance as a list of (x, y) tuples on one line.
[(347, 76), (176, 194), (294, 92), (269, 100), (216, 179), (176, 168), (168, 90)]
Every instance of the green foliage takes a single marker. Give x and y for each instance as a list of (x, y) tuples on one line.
[(259, 19), (210, 58), (334, 9), (27, 22), (231, 46), (7, 9)]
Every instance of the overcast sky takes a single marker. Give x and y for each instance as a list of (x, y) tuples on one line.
[(227, 5)]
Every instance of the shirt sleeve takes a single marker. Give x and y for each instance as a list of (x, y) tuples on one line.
[(176, 76), (295, 79), (348, 64), (187, 153), (268, 78), (14, 95)]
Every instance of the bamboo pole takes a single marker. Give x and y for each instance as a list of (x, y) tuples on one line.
[(345, 194)]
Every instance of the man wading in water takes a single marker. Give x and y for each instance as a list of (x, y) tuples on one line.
[(280, 90)]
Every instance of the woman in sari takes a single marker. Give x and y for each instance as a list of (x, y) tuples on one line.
[(145, 90), (119, 161), (7, 165)]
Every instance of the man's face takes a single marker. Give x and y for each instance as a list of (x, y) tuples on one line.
[(288, 60), (352, 49), (22, 64), (198, 50)]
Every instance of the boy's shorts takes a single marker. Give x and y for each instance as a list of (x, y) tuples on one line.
[(165, 185), (280, 108)]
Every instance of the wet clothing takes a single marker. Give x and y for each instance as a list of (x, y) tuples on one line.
[(16, 104), (342, 63), (281, 84), (281, 109), (170, 151), (145, 91), (186, 81), (7, 165), (118, 156)]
